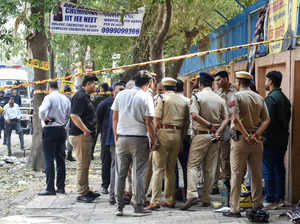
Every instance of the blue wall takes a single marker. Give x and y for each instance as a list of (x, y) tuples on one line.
[(232, 33)]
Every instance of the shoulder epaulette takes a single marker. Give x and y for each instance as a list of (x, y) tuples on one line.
[(195, 96)]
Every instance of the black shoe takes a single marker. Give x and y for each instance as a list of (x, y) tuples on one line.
[(4, 143), (215, 190), (85, 199), (149, 194), (47, 193), (104, 190), (60, 191), (70, 157), (112, 201), (206, 204), (141, 210), (231, 214), (93, 194), (9, 154)]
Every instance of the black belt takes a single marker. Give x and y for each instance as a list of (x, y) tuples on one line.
[(133, 136), (54, 127)]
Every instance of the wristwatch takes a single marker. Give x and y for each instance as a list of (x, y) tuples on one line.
[(247, 138), (209, 126)]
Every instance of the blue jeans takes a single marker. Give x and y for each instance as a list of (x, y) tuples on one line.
[(274, 173)]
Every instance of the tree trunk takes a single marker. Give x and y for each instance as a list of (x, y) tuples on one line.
[(52, 69), (82, 57), (141, 52), (189, 37), (38, 45), (162, 25)]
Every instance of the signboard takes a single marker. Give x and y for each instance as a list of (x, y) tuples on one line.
[(282, 22), (69, 83), (69, 18)]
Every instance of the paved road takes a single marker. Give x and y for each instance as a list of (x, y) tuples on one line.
[(33, 209), (64, 209)]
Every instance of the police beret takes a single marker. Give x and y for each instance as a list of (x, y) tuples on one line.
[(168, 81), (243, 75), (206, 77), (275, 75)]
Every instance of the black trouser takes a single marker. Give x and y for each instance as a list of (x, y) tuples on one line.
[(14, 124), (183, 159), (1, 123), (54, 139), (95, 138), (106, 163)]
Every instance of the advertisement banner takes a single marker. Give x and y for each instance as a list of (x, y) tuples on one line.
[(69, 18), (282, 23)]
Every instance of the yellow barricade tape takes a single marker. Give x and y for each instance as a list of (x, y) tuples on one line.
[(143, 64)]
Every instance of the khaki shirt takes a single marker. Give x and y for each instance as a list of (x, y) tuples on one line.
[(172, 109), (227, 96), (250, 107), (189, 102), (209, 106)]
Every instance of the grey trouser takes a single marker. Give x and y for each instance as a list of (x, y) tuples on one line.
[(15, 124), (112, 172), (133, 150)]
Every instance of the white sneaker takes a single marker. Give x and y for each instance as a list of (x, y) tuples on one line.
[(281, 204), (270, 206), (266, 204), (119, 212)]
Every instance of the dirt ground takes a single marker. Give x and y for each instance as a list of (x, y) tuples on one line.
[(19, 184)]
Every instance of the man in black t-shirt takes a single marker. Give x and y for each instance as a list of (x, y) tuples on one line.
[(82, 129)]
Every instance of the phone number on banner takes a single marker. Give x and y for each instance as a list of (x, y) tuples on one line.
[(131, 31)]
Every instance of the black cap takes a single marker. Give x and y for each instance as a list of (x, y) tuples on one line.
[(222, 74), (67, 88), (206, 77), (179, 85), (275, 75)]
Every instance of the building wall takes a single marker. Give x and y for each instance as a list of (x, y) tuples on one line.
[(289, 64), (294, 154)]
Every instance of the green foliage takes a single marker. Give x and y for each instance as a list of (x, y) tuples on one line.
[(188, 16)]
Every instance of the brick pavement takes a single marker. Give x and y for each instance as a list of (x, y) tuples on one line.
[(64, 209), (61, 209)]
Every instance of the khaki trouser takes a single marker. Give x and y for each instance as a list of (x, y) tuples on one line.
[(148, 173), (83, 149), (225, 159), (165, 159), (241, 153), (203, 154)]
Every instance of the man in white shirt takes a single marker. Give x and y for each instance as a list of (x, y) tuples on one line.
[(133, 110), (55, 113), (12, 116)]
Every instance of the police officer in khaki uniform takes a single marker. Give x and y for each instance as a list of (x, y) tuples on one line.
[(226, 90), (250, 119), (171, 119), (209, 120)]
